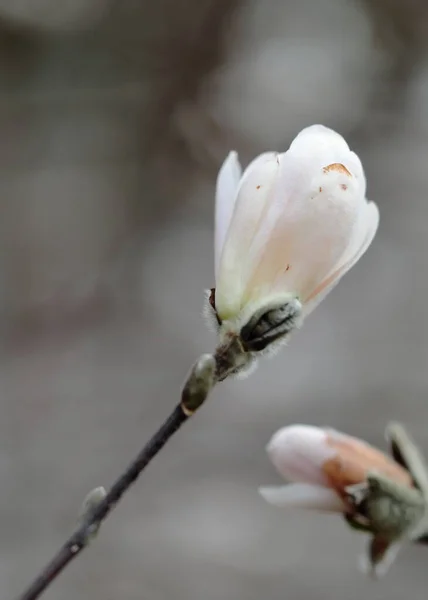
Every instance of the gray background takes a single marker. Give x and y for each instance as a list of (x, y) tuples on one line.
[(114, 118)]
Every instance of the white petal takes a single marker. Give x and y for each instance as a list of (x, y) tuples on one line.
[(307, 226), (299, 452), (259, 161), (325, 146), (362, 238), (316, 138), (226, 191), (255, 191), (303, 495), (229, 180)]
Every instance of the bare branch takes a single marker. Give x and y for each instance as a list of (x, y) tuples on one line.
[(196, 389)]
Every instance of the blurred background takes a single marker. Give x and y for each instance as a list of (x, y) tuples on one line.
[(114, 118)]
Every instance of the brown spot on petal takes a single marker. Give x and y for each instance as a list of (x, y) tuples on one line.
[(258, 187), (287, 268), (337, 167), (320, 189), (343, 186), (354, 459)]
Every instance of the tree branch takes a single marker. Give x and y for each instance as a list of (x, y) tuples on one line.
[(196, 389)]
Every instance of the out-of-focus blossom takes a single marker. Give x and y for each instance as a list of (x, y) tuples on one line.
[(322, 464), (286, 230), (335, 472)]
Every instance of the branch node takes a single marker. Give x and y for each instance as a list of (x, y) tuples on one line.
[(89, 504), (98, 503), (198, 385)]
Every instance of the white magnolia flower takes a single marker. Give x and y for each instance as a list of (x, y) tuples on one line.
[(286, 230)]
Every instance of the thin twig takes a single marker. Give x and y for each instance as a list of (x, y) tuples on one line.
[(195, 392)]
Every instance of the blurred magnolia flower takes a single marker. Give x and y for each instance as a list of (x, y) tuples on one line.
[(322, 464), (286, 230), (335, 472)]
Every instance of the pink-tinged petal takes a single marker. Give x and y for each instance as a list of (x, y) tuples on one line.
[(299, 453), (303, 495), (354, 459), (254, 193), (363, 235), (308, 225), (226, 191)]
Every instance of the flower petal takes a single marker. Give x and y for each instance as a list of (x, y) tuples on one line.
[(254, 192), (325, 146), (299, 453), (226, 190), (354, 459), (303, 495), (308, 224), (362, 238)]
